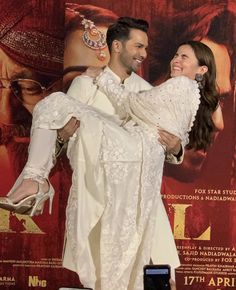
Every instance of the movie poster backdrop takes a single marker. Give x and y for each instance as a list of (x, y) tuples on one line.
[(199, 195)]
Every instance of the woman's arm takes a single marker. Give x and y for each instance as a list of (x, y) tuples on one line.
[(116, 92), (171, 106), (217, 119), (120, 98)]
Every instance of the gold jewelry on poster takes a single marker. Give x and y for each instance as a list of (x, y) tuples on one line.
[(92, 36)]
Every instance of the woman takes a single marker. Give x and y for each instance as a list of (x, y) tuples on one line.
[(117, 168)]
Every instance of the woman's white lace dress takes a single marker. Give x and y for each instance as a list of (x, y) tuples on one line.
[(116, 220)]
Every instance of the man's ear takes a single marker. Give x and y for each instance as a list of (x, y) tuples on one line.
[(116, 45)]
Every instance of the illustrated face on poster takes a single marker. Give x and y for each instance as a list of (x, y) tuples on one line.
[(28, 97)]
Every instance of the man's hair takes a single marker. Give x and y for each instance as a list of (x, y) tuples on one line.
[(120, 30)]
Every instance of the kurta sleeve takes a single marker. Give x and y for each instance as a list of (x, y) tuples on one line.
[(82, 88)]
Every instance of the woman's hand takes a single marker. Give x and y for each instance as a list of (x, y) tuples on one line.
[(93, 71)]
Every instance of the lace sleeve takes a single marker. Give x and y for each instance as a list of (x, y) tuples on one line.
[(171, 105), (125, 102), (115, 92)]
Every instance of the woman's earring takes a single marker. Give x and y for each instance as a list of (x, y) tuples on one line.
[(199, 78)]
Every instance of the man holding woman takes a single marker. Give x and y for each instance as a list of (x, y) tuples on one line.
[(125, 222)]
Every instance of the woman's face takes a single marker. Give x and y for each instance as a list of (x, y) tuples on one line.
[(185, 63)]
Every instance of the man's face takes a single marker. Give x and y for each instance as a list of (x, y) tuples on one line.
[(133, 51)]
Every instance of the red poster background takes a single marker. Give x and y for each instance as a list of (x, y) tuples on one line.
[(199, 195), (31, 46)]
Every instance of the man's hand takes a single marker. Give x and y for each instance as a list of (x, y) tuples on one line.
[(170, 141), (93, 71), (69, 129)]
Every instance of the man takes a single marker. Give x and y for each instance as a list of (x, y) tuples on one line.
[(127, 42)]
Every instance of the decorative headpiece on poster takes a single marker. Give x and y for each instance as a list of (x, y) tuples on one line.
[(92, 37)]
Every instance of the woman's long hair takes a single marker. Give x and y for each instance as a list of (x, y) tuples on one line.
[(200, 136)]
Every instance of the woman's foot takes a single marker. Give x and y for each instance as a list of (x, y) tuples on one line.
[(26, 188), (29, 198)]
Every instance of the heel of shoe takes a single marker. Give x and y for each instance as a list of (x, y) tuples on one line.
[(40, 199), (36, 206), (51, 193)]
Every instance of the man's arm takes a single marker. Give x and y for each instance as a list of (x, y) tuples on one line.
[(81, 88), (68, 130), (174, 148), (64, 134)]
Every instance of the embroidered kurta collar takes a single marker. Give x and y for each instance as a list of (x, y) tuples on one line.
[(116, 76)]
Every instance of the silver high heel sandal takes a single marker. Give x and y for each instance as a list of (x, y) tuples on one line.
[(32, 204), (21, 207), (40, 198)]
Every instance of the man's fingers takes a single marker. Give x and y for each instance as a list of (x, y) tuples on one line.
[(166, 135), (170, 141), (77, 123), (69, 129), (73, 123), (166, 139), (93, 71)]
